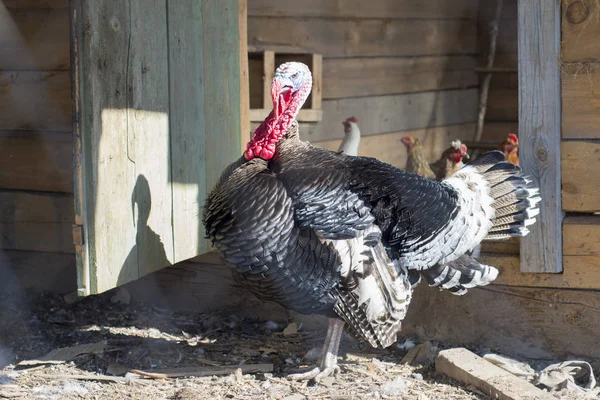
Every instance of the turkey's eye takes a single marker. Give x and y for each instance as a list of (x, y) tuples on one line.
[(294, 76)]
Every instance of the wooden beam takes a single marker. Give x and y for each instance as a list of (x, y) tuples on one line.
[(580, 161), (526, 322), (581, 101), (397, 113), (388, 148), (430, 9), (36, 160), (539, 129), (316, 95), (581, 236), (376, 76), (33, 38), (244, 74), (470, 369), (368, 37), (268, 75), (37, 271), (580, 31), (36, 222), (32, 100)]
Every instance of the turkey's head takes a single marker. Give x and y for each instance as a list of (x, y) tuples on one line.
[(457, 152), (349, 124), (290, 88)]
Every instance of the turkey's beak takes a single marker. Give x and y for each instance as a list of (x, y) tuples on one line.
[(280, 94)]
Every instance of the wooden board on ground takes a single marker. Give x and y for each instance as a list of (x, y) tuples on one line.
[(540, 129), (36, 222), (472, 370), (388, 148), (356, 77), (396, 113), (36, 160), (580, 163), (525, 322), (581, 101), (37, 271), (580, 30), (431, 9), (34, 38), (366, 37), (32, 100)]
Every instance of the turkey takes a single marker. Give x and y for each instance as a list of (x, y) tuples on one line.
[(351, 137), (320, 232)]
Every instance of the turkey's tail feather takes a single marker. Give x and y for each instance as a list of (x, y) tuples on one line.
[(377, 292), (515, 200), (460, 275)]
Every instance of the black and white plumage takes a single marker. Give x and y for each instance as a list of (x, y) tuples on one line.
[(322, 232)]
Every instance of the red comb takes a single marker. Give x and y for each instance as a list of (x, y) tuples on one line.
[(352, 119), (513, 137)]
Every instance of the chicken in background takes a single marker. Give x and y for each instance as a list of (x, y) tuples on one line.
[(510, 147), (449, 162), (351, 140)]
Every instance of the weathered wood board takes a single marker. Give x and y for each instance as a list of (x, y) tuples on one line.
[(35, 221), (580, 163), (244, 73), (33, 100), (581, 101), (377, 76), (540, 129), (149, 136), (34, 38), (36, 160), (402, 9), (580, 30), (38, 271), (396, 113), (366, 37), (388, 148)]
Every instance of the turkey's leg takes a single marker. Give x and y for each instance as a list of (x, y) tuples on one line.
[(328, 360)]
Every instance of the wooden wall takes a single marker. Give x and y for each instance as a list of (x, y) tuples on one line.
[(36, 162), (399, 67)]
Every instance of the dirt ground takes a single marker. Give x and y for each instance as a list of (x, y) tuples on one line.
[(152, 340)]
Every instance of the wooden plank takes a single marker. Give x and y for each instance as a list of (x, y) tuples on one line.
[(498, 131), (37, 271), (404, 9), (397, 113), (244, 74), (354, 77), (36, 222), (580, 30), (503, 105), (125, 141), (316, 95), (580, 272), (222, 84), (34, 38), (526, 322), (470, 369), (366, 37), (540, 125), (581, 101), (28, 4), (36, 160), (268, 75), (35, 100), (388, 148), (581, 236), (188, 125), (580, 162)]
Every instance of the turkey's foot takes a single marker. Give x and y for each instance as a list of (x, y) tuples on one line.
[(328, 361)]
